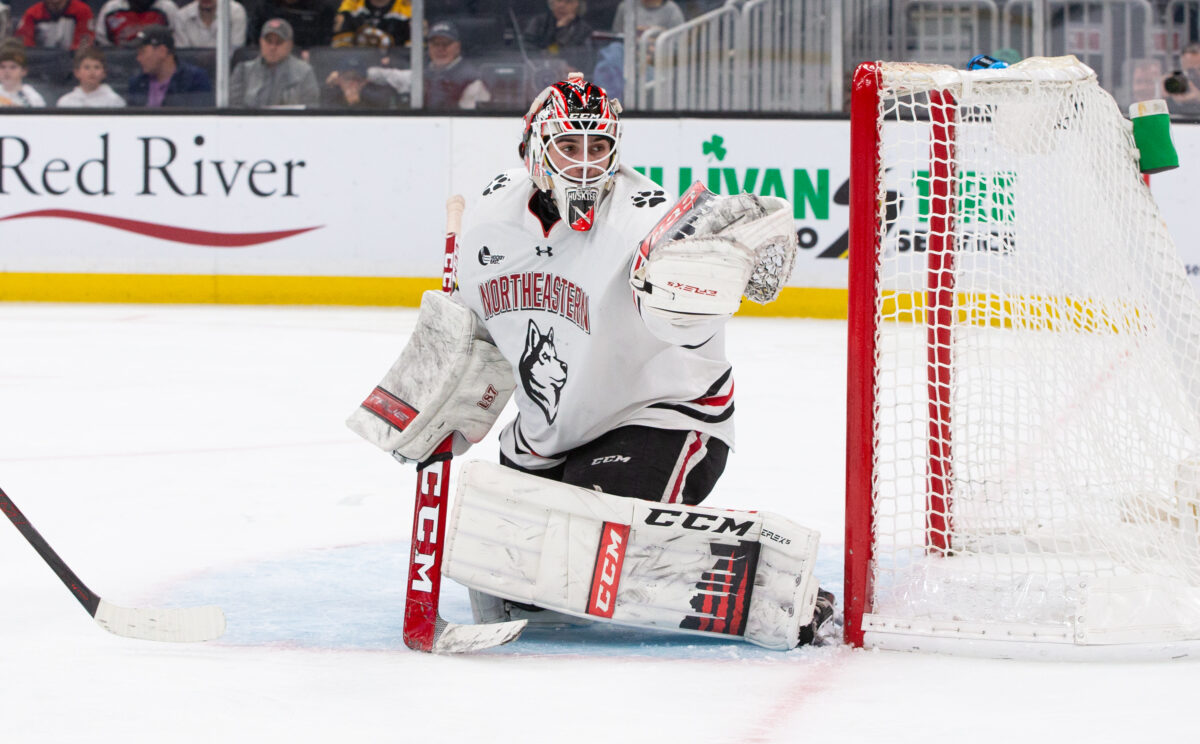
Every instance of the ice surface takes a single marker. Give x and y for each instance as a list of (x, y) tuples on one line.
[(193, 455)]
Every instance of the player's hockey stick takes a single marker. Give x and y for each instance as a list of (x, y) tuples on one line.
[(183, 624), (424, 628)]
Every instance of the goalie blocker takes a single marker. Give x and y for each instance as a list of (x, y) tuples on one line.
[(639, 563), (450, 378)]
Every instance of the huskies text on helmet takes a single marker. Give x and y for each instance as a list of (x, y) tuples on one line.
[(570, 145)]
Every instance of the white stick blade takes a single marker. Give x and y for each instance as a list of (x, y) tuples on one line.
[(462, 639), (177, 625)]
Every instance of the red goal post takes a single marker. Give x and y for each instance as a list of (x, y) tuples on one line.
[(1023, 387)]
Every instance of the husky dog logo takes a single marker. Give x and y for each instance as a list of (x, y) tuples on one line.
[(543, 374)]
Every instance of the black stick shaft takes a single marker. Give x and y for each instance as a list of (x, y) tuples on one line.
[(89, 599)]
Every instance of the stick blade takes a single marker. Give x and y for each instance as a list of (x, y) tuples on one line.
[(465, 639), (174, 624)]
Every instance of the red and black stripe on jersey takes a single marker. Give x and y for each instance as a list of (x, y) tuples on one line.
[(717, 399)]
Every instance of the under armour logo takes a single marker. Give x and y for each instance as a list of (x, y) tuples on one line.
[(547, 251), (486, 258)]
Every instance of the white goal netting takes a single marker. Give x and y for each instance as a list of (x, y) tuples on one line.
[(1036, 468)]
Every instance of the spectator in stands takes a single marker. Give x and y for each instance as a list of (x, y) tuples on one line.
[(311, 20), (165, 80), (648, 14), (372, 23), (119, 21), (610, 64), (92, 91), (196, 25), (58, 24), (562, 32), (451, 82), (1187, 101), (610, 69), (13, 89), (347, 87), (275, 77)]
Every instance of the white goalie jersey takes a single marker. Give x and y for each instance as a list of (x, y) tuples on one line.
[(558, 305)]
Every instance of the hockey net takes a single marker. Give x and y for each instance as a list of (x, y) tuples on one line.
[(1023, 462)]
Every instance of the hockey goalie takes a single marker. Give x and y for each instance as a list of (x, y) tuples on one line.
[(600, 308)]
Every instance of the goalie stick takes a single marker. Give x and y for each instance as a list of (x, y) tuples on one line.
[(182, 624), (424, 628)]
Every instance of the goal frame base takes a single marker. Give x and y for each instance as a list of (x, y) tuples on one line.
[(976, 646)]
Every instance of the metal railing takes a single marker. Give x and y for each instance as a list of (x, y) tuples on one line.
[(867, 30), (696, 65), (794, 55), (790, 55), (1103, 34), (761, 55), (947, 31), (1180, 24)]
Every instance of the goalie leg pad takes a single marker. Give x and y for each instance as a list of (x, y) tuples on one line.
[(449, 378), (592, 555), (487, 609)]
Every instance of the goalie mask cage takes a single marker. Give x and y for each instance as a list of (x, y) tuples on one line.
[(1023, 459)]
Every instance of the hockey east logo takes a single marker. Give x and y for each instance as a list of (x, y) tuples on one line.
[(542, 373), (487, 259)]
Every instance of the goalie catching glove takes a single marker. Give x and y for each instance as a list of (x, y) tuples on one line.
[(449, 378), (710, 250)]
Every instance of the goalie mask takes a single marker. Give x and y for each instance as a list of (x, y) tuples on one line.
[(570, 147)]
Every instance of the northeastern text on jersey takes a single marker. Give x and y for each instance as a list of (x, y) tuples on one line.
[(536, 290)]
